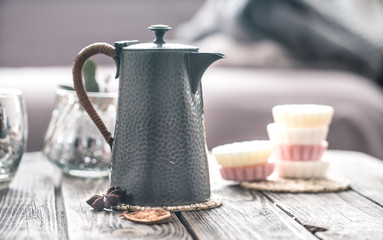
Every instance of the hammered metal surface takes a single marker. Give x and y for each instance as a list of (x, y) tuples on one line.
[(159, 155)]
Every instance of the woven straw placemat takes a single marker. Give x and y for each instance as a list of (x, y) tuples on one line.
[(213, 202), (275, 184)]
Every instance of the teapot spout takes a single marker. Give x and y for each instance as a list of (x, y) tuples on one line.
[(199, 62)]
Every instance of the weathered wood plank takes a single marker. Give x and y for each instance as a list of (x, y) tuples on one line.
[(244, 215), (251, 217), (346, 215), (60, 211), (85, 223), (364, 171), (32, 209), (27, 208)]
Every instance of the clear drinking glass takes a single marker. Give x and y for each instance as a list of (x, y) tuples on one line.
[(13, 133)]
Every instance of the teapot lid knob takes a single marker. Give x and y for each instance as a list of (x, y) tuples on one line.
[(160, 31)]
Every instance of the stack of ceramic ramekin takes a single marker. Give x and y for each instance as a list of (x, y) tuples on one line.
[(299, 137), (245, 161)]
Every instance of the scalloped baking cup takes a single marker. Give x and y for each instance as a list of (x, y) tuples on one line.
[(248, 173), (305, 136), (303, 115), (298, 152), (302, 169), (243, 153)]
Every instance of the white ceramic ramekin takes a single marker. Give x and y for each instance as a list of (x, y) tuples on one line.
[(301, 169), (303, 115), (243, 153), (305, 136), (299, 152)]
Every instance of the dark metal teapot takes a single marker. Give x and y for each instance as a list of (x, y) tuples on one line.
[(159, 150)]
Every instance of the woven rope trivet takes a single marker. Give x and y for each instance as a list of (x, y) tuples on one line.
[(213, 202), (299, 185)]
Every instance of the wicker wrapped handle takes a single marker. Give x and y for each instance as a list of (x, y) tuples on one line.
[(78, 64)]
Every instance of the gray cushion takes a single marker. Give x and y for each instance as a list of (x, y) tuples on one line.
[(238, 104)]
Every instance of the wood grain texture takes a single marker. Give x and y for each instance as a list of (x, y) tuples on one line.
[(60, 212), (364, 171), (85, 223), (41, 204), (27, 208), (244, 215), (346, 215)]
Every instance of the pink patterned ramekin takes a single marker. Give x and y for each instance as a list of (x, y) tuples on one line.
[(248, 173), (299, 152)]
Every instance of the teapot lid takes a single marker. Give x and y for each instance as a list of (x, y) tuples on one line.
[(159, 43)]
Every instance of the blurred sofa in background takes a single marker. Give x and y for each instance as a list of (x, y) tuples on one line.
[(239, 92)]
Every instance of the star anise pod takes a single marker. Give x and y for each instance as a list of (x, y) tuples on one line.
[(115, 190), (111, 198)]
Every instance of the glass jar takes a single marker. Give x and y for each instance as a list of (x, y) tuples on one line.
[(73, 142)]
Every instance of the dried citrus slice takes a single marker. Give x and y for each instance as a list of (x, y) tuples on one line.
[(148, 216)]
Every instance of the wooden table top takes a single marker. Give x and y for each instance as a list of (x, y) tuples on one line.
[(41, 203)]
